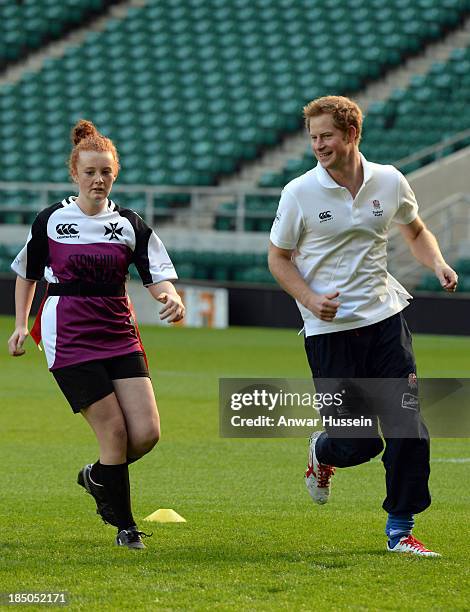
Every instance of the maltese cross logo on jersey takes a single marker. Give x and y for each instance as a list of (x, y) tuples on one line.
[(114, 230)]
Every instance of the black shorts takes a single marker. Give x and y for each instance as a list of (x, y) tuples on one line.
[(87, 382)]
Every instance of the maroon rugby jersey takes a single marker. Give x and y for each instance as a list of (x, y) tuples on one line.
[(66, 245)]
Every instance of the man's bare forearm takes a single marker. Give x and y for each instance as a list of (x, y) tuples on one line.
[(425, 249), (288, 277)]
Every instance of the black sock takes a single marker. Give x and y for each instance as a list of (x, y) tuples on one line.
[(115, 479), (133, 459), (95, 472)]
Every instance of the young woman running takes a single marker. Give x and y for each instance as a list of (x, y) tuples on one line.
[(83, 247)]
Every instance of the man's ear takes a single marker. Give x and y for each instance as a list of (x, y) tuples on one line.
[(352, 133)]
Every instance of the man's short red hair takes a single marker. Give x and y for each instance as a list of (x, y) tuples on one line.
[(344, 111)]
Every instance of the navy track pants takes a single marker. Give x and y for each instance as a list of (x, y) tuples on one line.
[(384, 351)]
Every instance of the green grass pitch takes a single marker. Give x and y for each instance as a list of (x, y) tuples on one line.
[(253, 540)]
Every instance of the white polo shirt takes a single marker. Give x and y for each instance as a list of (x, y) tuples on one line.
[(341, 243)]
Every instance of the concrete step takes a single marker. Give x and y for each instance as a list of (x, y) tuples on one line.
[(34, 61), (294, 146)]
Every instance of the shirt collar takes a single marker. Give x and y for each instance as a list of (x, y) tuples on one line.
[(327, 181)]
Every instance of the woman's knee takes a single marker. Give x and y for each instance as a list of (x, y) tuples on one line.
[(117, 433), (112, 440), (143, 443), (108, 423)]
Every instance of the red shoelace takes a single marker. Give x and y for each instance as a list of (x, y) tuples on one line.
[(414, 543), (325, 472)]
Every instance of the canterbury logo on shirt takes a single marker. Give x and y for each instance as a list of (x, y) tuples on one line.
[(62, 238), (325, 216), (67, 230)]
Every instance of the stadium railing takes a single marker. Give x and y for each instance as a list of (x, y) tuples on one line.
[(243, 207), (434, 152), (198, 214), (229, 260), (418, 160), (450, 221)]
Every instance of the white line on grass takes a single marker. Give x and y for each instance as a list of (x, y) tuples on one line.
[(451, 460), (436, 460)]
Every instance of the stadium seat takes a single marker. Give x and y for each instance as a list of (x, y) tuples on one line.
[(462, 267), (199, 89), (222, 266), (404, 123), (28, 25), (430, 283)]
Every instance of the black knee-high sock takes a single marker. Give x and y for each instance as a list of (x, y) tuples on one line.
[(115, 479)]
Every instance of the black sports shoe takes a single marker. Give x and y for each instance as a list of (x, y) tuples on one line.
[(131, 538), (103, 507)]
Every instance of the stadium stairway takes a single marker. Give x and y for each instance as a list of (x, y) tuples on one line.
[(12, 73), (212, 155), (28, 25), (294, 146), (377, 91), (449, 220), (294, 156)]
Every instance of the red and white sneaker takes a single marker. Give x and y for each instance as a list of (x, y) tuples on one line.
[(318, 475), (409, 544)]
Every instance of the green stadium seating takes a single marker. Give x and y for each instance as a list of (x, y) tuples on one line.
[(243, 67), (189, 91), (7, 254), (430, 283), (462, 267), (435, 106), (223, 266), (29, 24)]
